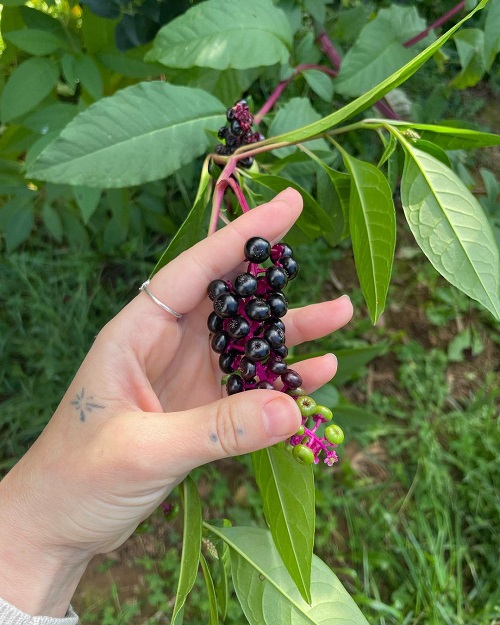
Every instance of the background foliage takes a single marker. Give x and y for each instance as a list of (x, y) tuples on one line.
[(408, 520)]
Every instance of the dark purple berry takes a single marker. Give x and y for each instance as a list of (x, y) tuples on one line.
[(222, 134), (236, 128), (276, 365), (290, 266), (281, 352), (280, 250), (245, 285), (257, 349), (276, 277), (291, 379), (226, 361), (222, 150), (277, 304), (238, 327), (265, 385), (234, 384), (214, 323), (247, 368), (216, 288), (246, 162), (257, 309), (257, 250), (230, 114), (274, 321), (274, 336), (243, 103), (232, 142), (226, 305), (220, 341)]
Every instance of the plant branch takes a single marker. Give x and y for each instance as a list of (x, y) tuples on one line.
[(439, 22), (329, 50)]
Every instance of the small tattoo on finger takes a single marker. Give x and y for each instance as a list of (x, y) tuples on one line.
[(84, 404)]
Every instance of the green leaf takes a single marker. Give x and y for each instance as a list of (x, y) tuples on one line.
[(470, 48), (129, 63), (268, 594), (223, 34), (450, 136), (379, 50), (295, 113), (27, 86), (89, 75), (87, 199), (372, 224), (435, 150), (373, 95), (314, 222), (491, 33), (450, 227), (34, 41), (144, 132), (52, 221), (194, 228), (320, 83), (50, 118), (287, 490), (17, 218), (191, 546), (349, 416), (212, 598), (224, 570), (351, 360)]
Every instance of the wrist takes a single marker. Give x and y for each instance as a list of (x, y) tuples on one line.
[(36, 576)]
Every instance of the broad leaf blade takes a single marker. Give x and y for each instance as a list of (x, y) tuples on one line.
[(372, 223), (194, 227), (268, 594), (191, 546), (142, 133), (450, 227), (212, 598), (224, 34), (374, 94), (287, 490)]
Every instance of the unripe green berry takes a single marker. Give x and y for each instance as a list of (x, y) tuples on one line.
[(334, 434), (303, 454), (325, 412), (300, 431), (307, 405), (296, 392)]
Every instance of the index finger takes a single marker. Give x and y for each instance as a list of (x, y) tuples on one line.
[(182, 284)]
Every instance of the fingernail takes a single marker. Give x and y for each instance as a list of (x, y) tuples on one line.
[(345, 296), (281, 417)]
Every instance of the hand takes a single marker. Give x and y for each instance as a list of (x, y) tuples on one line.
[(144, 409)]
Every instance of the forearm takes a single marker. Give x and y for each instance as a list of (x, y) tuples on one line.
[(36, 577)]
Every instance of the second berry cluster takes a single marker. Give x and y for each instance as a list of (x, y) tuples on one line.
[(238, 133)]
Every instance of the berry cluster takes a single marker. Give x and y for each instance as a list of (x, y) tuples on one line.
[(239, 132), (247, 331)]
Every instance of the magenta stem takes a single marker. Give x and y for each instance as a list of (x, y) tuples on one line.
[(239, 194), (276, 94), (329, 50), (386, 109), (439, 22)]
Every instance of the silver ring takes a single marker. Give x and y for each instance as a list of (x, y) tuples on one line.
[(144, 287)]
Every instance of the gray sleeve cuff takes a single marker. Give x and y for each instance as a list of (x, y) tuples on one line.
[(10, 615)]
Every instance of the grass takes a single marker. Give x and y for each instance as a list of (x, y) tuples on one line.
[(408, 520)]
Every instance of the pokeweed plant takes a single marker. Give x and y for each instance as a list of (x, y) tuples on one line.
[(147, 131)]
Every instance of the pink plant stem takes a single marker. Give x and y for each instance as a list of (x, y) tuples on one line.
[(218, 196), (276, 94), (386, 109), (444, 18), (329, 50), (239, 194)]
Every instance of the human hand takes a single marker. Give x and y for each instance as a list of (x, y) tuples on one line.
[(145, 408)]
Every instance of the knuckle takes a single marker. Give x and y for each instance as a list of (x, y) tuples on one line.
[(227, 428)]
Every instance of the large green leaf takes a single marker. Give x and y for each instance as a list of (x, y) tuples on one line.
[(141, 133), (373, 95), (314, 222), (35, 41), (223, 34), (379, 50), (194, 228), (492, 33), (27, 86), (212, 597), (287, 490), (268, 594), (372, 224), (191, 546), (450, 227), (470, 48)]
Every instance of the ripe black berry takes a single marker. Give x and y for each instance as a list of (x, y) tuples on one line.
[(220, 341), (238, 327), (216, 288), (257, 309), (226, 361), (214, 323), (234, 384), (274, 336), (257, 250), (230, 114), (282, 351), (236, 128), (291, 378), (246, 162), (274, 321), (247, 368), (257, 349), (226, 305), (245, 285), (276, 277), (277, 304), (265, 385), (290, 266), (223, 132), (276, 364)]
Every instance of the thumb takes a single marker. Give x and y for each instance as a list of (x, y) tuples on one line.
[(232, 426)]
